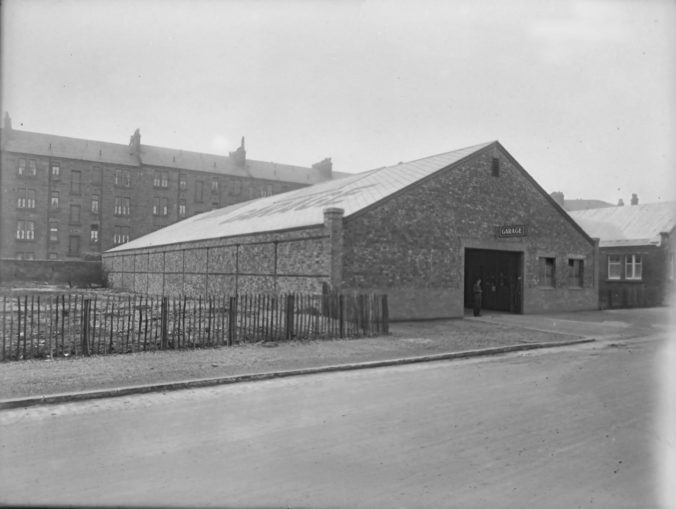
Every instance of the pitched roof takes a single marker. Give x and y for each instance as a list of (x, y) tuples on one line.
[(50, 145), (302, 207), (630, 225), (581, 203)]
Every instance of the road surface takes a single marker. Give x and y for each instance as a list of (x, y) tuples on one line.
[(570, 427)]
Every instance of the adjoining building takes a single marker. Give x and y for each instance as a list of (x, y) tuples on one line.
[(421, 231), (637, 247), (70, 198)]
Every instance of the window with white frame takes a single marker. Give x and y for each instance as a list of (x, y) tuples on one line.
[(122, 206), (53, 231), (32, 167), (54, 200), (181, 208), (121, 235), (614, 267), (25, 230), (26, 199), (94, 234), (95, 204), (633, 267), (21, 166), (55, 169)]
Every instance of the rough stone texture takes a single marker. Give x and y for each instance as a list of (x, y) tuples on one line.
[(195, 261), (412, 245), (302, 265), (223, 260), (155, 284), (302, 257), (257, 259), (221, 285)]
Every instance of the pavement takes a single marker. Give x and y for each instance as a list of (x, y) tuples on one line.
[(582, 327)]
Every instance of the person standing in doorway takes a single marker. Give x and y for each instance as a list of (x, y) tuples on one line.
[(476, 290)]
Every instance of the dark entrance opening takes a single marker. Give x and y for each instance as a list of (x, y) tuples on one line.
[(501, 274)]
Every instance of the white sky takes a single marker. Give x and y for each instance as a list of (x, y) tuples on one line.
[(581, 93)]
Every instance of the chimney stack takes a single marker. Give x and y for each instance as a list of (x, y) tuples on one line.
[(634, 199), (620, 202), (558, 198), (135, 143), (325, 168), (239, 155)]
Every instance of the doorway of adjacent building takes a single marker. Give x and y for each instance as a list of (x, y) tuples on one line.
[(501, 274)]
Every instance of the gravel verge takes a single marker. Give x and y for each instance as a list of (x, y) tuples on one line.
[(407, 339)]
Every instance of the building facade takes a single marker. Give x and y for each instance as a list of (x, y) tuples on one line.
[(67, 198), (423, 232), (637, 248)]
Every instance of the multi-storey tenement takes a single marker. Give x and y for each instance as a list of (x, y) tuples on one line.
[(66, 198)]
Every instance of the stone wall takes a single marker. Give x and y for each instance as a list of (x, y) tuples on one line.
[(281, 262), (412, 246)]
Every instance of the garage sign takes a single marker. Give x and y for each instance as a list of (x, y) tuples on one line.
[(512, 230)]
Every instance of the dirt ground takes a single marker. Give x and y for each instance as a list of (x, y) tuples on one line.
[(407, 339)]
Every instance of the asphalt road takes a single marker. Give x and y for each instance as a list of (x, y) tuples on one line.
[(570, 427)]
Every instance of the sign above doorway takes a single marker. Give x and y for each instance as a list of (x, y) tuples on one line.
[(512, 230)]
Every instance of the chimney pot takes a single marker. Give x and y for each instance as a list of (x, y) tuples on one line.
[(634, 199)]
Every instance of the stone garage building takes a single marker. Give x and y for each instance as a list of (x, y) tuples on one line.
[(421, 231)]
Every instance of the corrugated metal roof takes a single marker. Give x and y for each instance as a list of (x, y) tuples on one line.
[(50, 145), (628, 225), (302, 207)]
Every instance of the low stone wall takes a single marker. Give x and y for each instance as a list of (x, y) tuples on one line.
[(76, 273)]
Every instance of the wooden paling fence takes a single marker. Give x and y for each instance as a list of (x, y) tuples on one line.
[(76, 325)]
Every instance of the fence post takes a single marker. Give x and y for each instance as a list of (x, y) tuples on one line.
[(164, 320), (232, 320), (290, 304), (386, 315), (341, 315), (84, 338)]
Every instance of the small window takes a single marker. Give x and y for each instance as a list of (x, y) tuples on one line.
[(74, 214), (575, 273), (21, 166), (495, 167), (181, 208), (182, 183), (32, 167), (633, 267), (55, 170), (52, 256), (75, 182), (26, 199), (614, 267), (94, 234), (54, 200), (95, 204), (25, 230), (121, 235), (122, 178), (547, 271), (122, 206), (53, 231), (214, 186)]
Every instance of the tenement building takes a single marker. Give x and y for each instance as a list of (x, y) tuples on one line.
[(423, 232), (68, 198)]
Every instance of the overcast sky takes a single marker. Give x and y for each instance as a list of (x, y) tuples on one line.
[(580, 93)]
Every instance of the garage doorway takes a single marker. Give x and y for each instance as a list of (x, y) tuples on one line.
[(501, 274)]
